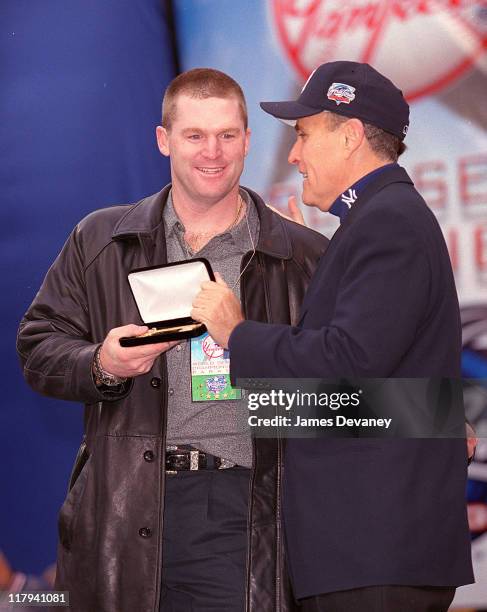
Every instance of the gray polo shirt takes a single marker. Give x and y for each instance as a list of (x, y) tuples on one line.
[(217, 427)]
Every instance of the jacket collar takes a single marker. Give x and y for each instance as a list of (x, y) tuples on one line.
[(389, 175), (344, 202), (145, 219)]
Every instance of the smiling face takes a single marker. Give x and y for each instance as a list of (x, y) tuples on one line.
[(207, 143), (320, 153)]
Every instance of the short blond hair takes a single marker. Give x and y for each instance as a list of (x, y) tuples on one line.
[(201, 83)]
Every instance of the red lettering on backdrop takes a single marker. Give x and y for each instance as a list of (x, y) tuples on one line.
[(367, 15), (472, 179), (480, 241), (429, 179), (451, 238)]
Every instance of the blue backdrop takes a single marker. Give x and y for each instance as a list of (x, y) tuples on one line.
[(82, 83)]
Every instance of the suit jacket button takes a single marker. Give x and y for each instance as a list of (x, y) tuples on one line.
[(145, 532), (155, 382), (149, 456)]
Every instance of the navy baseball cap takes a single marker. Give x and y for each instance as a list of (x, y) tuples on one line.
[(352, 90)]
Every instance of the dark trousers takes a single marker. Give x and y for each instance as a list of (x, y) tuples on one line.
[(205, 541), (382, 599)]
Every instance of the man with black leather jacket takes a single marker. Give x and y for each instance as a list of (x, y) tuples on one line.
[(141, 529)]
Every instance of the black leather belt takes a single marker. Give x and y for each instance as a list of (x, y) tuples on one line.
[(179, 458)]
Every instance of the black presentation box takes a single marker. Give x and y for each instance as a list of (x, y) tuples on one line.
[(164, 296)]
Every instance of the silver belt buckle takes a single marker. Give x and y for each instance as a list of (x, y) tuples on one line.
[(193, 459)]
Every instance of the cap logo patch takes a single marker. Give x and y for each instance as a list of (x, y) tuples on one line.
[(340, 92)]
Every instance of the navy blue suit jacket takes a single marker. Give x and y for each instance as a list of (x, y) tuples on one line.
[(382, 303)]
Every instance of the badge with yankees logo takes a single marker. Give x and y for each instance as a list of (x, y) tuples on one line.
[(210, 371)]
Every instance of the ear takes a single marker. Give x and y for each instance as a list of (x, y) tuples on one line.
[(247, 141), (162, 140), (354, 136)]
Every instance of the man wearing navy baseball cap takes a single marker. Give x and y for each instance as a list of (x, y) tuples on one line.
[(375, 525), (351, 90)]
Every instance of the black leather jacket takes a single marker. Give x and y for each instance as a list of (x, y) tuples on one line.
[(110, 525)]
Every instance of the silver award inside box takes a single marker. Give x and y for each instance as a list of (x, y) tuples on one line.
[(164, 296)]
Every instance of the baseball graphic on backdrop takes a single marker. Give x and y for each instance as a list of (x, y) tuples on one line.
[(392, 35)]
